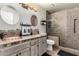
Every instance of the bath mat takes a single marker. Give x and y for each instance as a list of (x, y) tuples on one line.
[(64, 53)]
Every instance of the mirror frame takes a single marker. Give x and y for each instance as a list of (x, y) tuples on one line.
[(10, 8), (34, 20)]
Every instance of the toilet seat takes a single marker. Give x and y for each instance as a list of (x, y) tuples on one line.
[(49, 41)]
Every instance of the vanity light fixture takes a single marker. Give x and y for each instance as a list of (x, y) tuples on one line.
[(32, 7), (29, 5), (26, 6)]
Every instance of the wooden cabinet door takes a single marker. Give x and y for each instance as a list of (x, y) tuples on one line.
[(44, 46), (25, 52), (40, 49), (34, 50)]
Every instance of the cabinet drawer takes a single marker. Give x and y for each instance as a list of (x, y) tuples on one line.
[(34, 50), (33, 42), (42, 39)]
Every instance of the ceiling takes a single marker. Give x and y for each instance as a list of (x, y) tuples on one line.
[(53, 7)]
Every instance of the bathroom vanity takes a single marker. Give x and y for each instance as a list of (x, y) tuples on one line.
[(34, 45)]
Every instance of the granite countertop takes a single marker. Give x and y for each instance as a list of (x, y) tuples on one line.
[(18, 39)]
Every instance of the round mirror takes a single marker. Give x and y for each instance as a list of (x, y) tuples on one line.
[(34, 20), (9, 15)]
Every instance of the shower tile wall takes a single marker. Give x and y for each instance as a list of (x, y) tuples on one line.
[(73, 25), (63, 25)]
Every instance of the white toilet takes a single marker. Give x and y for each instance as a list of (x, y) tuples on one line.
[(50, 44)]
